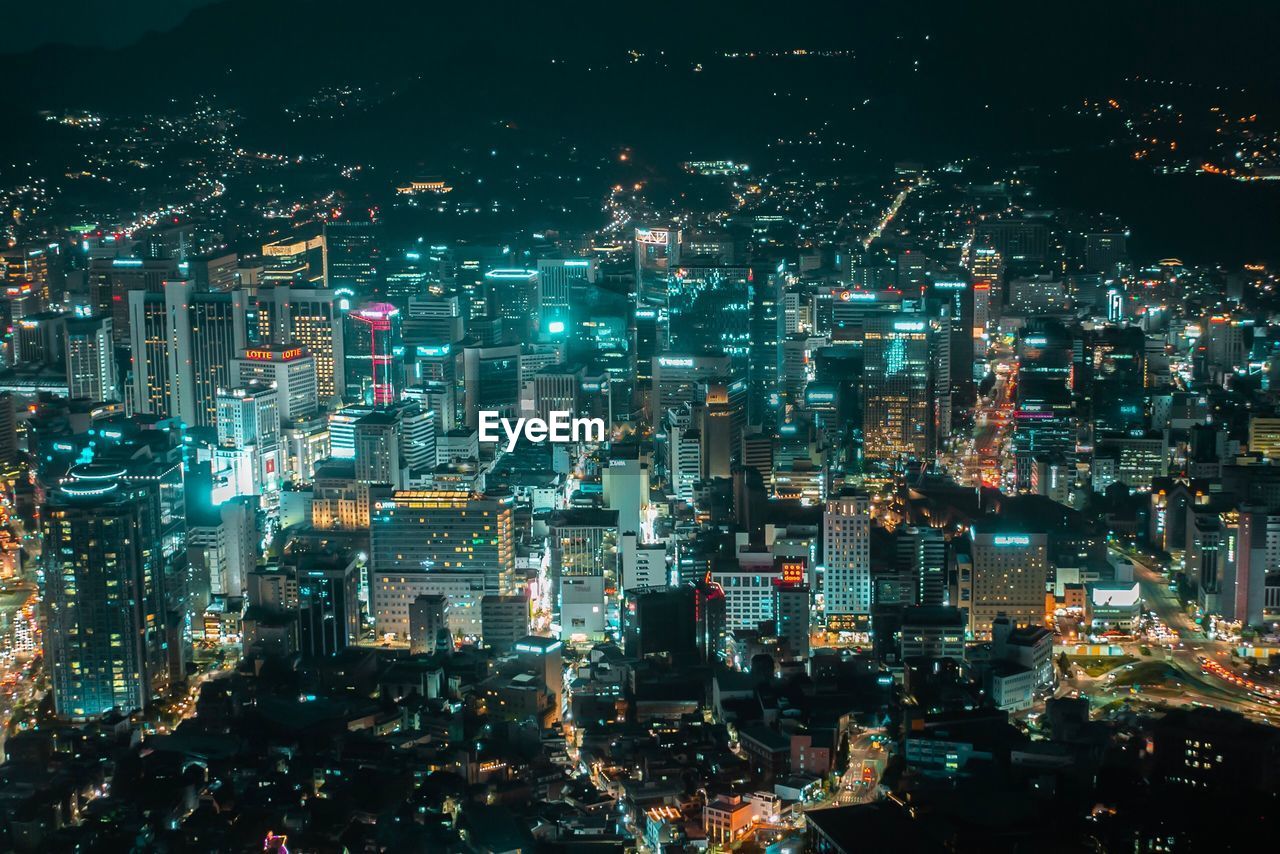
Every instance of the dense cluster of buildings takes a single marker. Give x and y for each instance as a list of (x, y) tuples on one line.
[(865, 503)]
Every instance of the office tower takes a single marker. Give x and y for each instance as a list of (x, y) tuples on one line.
[(149, 349), (104, 597), (657, 255), (584, 542), (1104, 251), (557, 389), (353, 256), (39, 338), (1223, 341), (747, 579), (1020, 242), (431, 321), (248, 459), (206, 332), (544, 657), (662, 619), (295, 260), (444, 532), (310, 318), (1010, 575), (932, 631), (897, 389), (113, 280), (625, 485), (216, 271), (846, 550), (792, 605), (709, 311), (491, 379), (641, 564), (428, 627), (328, 603), (504, 620), (767, 329), (291, 369), (182, 345), (373, 355), (923, 553), (676, 379), (684, 463), (558, 280), (1257, 555), (950, 300), (408, 275), (512, 297), (18, 302), (222, 546), (90, 359), (168, 240), (28, 267), (1045, 422)]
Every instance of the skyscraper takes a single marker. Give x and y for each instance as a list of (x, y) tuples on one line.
[(104, 596), (897, 391), (373, 355), (558, 278), (90, 358), (353, 256), (310, 318), (846, 549)]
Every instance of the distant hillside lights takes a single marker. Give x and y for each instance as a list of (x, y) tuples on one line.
[(561, 428)]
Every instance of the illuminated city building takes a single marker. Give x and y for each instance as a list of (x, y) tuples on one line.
[(898, 402), (373, 355), (291, 369), (90, 358), (1009, 578), (105, 637)]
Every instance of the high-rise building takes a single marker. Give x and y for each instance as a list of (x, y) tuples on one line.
[(249, 459), (846, 550), (558, 279), (504, 620), (428, 625), (353, 256), (113, 280), (513, 296), (222, 546), (328, 603), (28, 267), (183, 343), (491, 379), (657, 254), (90, 359), (709, 311), (310, 318), (898, 418), (295, 261), (1009, 577), (291, 369), (443, 532), (373, 355), (792, 607), (104, 597), (217, 271)]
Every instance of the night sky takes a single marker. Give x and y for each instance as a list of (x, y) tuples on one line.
[(88, 22)]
